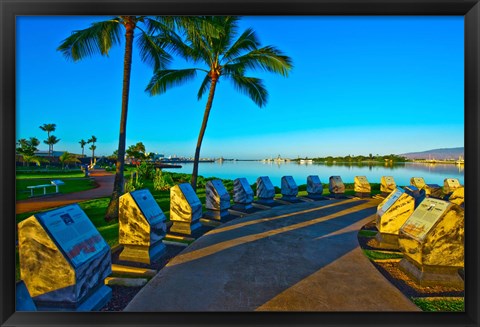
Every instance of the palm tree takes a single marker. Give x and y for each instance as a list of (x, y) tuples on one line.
[(82, 145), (92, 140), (51, 141), (93, 148), (98, 39), (223, 57), (48, 128), (67, 157)]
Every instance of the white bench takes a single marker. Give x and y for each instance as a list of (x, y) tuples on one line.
[(55, 183)]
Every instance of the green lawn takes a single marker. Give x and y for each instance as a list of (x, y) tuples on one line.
[(71, 185), (440, 305)]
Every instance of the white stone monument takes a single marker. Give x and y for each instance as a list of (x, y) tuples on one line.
[(392, 213), (361, 187), (432, 241), (242, 194), (289, 189), (336, 187), (431, 190), (217, 200), (185, 209), (64, 260), (314, 187), (265, 190), (387, 185), (450, 185), (142, 227)]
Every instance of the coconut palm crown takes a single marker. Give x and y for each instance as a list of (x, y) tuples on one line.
[(99, 38), (223, 57)]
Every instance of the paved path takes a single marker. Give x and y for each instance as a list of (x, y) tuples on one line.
[(105, 187), (302, 257)]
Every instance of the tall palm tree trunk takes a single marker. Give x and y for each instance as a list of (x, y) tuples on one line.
[(202, 132), (112, 210)]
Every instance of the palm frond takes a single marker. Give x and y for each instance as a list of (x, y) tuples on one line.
[(268, 58), (252, 87), (204, 87), (167, 78), (97, 39), (152, 51), (246, 42)]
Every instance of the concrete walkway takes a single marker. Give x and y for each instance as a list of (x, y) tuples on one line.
[(302, 257), (103, 179)]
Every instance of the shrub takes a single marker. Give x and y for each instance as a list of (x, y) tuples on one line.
[(146, 171), (162, 181)]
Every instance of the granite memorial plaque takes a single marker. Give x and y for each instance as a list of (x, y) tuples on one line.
[(336, 187), (64, 260), (142, 227), (242, 194), (392, 213), (217, 200), (314, 187), (289, 189), (450, 185), (361, 187), (185, 209), (387, 185), (265, 190), (432, 241), (431, 190)]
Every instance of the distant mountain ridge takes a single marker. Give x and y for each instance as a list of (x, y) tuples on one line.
[(438, 154)]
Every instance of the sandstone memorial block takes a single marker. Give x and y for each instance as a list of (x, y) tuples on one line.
[(336, 187), (185, 209), (457, 196), (387, 185), (450, 185), (64, 260), (361, 187), (265, 190), (242, 194), (289, 188), (432, 241), (142, 227), (314, 187), (392, 213), (217, 200), (431, 190)]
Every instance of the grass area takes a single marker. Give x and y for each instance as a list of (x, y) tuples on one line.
[(440, 305), (71, 185), (49, 174), (367, 233), (376, 255)]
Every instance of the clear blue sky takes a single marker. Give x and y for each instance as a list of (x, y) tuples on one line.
[(359, 85)]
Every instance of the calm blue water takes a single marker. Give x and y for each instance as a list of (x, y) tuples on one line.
[(431, 173)]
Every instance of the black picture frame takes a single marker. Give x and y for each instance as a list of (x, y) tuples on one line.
[(470, 9)]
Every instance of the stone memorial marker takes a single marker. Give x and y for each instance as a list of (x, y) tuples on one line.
[(392, 213), (336, 187), (361, 187), (289, 188), (314, 187), (432, 241), (265, 190), (457, 196), (414, 192), (431, 190), (185, 209), (242, 194), (142, 227), (450, 185), (64, 260), (387, 185), (23, 300), (217, 200)]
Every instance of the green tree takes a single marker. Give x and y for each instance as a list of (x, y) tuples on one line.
[(92, 140), (51, 141), (48, 128), (93, 148), (222, 57), (67, 158), (27, 148), (82, 145), (98, 39)]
